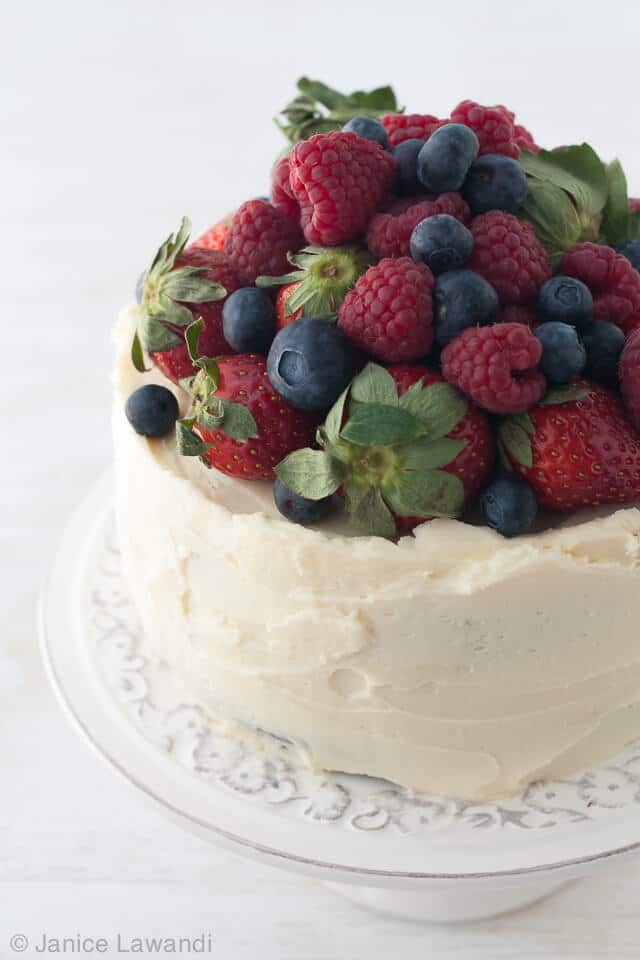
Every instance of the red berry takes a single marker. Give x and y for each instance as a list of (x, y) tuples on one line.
[(389, 312), (629, 371), (410, 126), (509, 256), (215, 236), (524, 139), (517, 313), (614, 283), (259, 239), (496, 367), (281, 306), (583, 452), (339, 180), (281, 193), (493, 127), (390, 229), (281, 429), (634, 204)]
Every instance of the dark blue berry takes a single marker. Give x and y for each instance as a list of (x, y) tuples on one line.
[(152, 410), (140, 286), (444, 160), (406, 158), (442, 242), (631, 250), (462, 299), (603, 343), (299, 509), (509, 505), (310, 363), (248, 320), (563, 355), (368, 129), (495, 182), (566, 300)]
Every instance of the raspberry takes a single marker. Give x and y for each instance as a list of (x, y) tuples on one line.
[(614, 283), (634, 204), (259, 239), (629, 371), (390, 230), (524, 140), (389, 312), (281, 193), (339, 180), (409, 126), (493, 127), (482, 362), (509, 256)]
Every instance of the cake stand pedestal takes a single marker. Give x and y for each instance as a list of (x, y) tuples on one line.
[(421, 857)]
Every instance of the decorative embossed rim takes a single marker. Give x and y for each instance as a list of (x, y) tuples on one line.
[(75, 546)]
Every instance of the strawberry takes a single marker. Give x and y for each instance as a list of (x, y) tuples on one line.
[(401, 445), (284, 313), (214, 237), (237, 423), (182, 285), (576, 448)]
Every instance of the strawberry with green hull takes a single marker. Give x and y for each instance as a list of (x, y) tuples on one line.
[(401, 445), (183, 284), (576, 448), (215, 236), (237, 423)]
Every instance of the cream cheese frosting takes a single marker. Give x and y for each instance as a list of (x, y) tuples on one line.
[(454, 662)]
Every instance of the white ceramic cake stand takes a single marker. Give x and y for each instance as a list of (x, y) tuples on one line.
[(426, 858)]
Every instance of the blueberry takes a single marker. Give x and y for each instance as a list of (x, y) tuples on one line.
[(563, 355), (152, 410), (495, 182), (140, 286), (442, 242), (406, 158), (368, 129), (248, 320), (566, 300), (444, 160), (603, 343), (299, 509), (631, 250), (509, 505), (310, 363), (462, 299)]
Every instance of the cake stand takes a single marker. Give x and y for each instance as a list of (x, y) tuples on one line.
[(422, 857)]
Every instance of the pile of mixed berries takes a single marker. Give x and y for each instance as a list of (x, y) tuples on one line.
[(428, 315)]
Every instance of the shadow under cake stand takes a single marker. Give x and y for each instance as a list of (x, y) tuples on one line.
[(421, 857)]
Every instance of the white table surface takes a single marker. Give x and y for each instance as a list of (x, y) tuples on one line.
[(117, 118)]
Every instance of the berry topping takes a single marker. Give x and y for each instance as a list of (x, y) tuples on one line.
[(406, 159), (509, 256), (444, 160), (566, 300), (631, 250), (401, 445), (441, 242), (509, 505), (496, 367), (299, 509), (563, 355), (389, 313), (495, 182), (462, 299), (493, 127), (575, 448), (603, 343), (248, 320), (310, 363), (390, 229), (152, 410), (339, 180), (401, 127), (259, 239), (630, 378), (369, 129)]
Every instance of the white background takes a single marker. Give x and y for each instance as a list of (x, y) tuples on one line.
[(117, 118)]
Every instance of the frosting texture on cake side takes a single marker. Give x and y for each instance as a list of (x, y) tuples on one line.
[(453, 662)]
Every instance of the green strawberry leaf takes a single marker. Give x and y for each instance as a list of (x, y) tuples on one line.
[(189, 443), (318, 108), (155, 335), (368, 512), (374, 385), (311, 473), (189, 284), (439, 407), (333, 423), (554, 217), (238, 422), (565, 394), (192, 338), (515, 442), (429, 493), (578, 170), (426, 454), (523, 420), (137, 355), (376, 424), (615, 221)]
